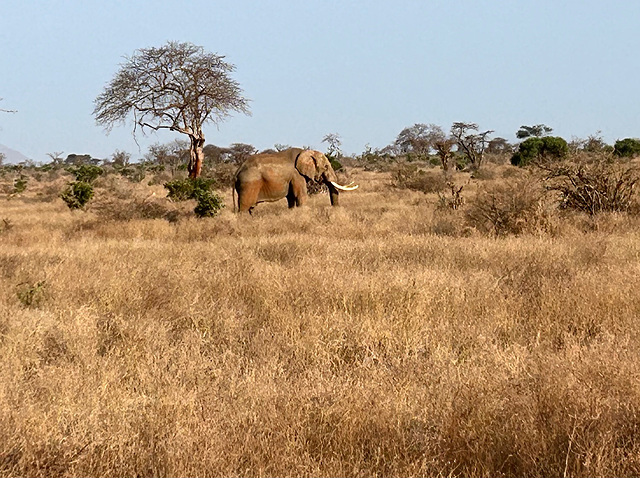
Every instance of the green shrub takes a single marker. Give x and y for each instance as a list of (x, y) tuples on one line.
[(185, 189), (20, 184), (375, 159), (200, 189), (540, 149), (627, 148), (86, 173), (461, 162), (77, 194), (209, 203), (335, 164)]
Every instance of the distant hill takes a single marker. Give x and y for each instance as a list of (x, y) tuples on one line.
[(11, 155)]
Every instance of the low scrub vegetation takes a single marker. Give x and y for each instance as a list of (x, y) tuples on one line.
[(595, 186), (200, 189), (78, 193), (411, 176), (396, 335), (509, 208)]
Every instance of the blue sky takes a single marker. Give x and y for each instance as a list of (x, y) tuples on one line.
[(362, 69)]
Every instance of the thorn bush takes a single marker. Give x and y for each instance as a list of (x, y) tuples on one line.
[(594, 187), (512, 208), (409, 176)]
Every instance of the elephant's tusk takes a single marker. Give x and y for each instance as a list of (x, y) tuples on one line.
[(344, 188)]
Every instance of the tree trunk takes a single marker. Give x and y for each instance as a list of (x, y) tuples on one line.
[(196, 156)]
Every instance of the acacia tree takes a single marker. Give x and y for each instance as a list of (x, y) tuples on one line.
[(537, 131), (419, 138), (472, 145), (334, 141), (56, 157), (170, 155), (179, 87), (443, 150)]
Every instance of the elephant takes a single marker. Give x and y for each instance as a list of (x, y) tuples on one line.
[(272, 176)]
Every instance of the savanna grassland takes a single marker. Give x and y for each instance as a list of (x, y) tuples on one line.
[(388, 337)]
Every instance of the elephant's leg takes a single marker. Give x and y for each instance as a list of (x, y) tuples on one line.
[(299, 192), (291, 197), (248, 197)]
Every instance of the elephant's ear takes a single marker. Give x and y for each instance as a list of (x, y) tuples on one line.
[(306, 164)]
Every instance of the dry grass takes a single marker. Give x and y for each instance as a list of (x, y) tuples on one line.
[(355, 341)]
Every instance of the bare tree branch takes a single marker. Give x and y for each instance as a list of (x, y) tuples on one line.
[(471, 145), (7, 111), (178, 87)]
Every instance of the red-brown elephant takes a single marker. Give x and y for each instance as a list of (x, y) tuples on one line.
[(273, 176)]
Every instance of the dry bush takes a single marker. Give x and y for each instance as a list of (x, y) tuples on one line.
[(316, 187), (159, 178), (318, 341), (594, 186), (488, 171), (118, 199), (223, 173), (454, 200), (450, 222), (513, 172), (513, 207), (116, 209), (410, 176)]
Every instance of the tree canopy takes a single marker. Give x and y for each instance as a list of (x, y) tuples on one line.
[(471, 145), (537, 131), (535, 148), (628, 147), (179, 87), (419, 138)]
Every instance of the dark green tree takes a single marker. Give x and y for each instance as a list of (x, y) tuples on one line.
[(537, 131), (540, 149), (627, 148)]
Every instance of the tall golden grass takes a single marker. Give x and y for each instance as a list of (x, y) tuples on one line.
[(381, 338)]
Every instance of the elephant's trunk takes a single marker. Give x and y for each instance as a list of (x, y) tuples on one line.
[(331, 180), (333, 194)]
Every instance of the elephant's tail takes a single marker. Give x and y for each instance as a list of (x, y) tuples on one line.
[(233, 195)]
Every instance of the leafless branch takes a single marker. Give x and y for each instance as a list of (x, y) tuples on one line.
[(178, 87), (7, 111)]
